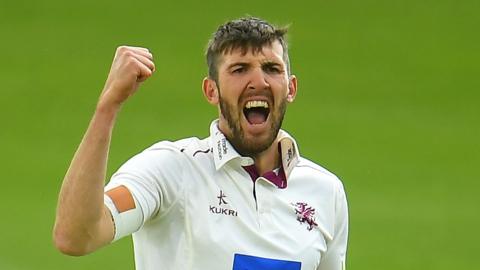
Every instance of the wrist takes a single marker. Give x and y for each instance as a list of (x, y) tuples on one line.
[(107, 108)]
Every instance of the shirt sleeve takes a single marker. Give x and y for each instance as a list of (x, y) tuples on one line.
[(153, 177), (335, 256)]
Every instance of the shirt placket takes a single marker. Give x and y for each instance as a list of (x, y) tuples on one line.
[(263, 190)]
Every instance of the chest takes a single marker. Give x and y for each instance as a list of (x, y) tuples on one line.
[(233, 218)]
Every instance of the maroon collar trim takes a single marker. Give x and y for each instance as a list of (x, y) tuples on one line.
[(278, 180)]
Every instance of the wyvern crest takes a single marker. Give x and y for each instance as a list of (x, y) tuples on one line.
[(305, 214)]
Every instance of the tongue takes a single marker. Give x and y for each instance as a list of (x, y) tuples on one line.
[(255, 117)]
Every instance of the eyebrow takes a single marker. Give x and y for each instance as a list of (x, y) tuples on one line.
[(243, 64), (270, 64), (266, 63)]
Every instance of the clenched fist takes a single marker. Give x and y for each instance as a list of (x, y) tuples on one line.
[(131, 66)]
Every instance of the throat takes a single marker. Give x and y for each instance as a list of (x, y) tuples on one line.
[(256, 116), (268, 160)]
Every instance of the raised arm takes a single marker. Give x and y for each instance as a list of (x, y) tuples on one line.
[(83, 223)]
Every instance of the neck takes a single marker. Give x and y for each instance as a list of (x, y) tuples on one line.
[(268, 160), (265, 161)]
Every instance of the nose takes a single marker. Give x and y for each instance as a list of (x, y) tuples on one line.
[(258, 80)]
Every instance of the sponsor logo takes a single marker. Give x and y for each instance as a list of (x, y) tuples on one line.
[(222, 210), (305, 214), (289, 156), (221, 198), (248, 262), (219, 150), (222, 148)]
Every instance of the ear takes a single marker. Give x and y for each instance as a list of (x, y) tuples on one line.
[(292, 88), (210, 90)]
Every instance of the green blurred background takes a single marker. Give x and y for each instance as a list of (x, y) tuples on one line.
[(388, 100)]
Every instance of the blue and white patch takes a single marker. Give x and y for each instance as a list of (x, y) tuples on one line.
[(246, 262)]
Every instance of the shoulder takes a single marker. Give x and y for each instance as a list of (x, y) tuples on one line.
[(189, 150), (312, 170), (163, 154), (186, 148), (175, 146)]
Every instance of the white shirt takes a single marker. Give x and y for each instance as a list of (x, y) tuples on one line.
[(197, 207)]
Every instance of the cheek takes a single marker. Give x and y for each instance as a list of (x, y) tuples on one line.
[(279, 87), (231, 90)]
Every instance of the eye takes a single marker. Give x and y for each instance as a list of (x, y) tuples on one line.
[(273, 69), (239, 70)]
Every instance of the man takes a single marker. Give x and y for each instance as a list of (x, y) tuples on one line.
[(242, 198)]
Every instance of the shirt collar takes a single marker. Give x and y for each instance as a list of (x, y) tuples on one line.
[(223, 151), (288, 149)]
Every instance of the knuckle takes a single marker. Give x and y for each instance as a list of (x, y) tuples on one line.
[(131, 62), (121, 49), (146, 73), (127, 53)]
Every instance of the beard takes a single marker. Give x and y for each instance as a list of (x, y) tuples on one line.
[(254, 146)]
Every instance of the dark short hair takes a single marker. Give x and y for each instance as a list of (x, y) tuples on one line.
[(247, 33)]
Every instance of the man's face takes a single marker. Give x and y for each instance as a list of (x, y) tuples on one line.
[(253, 91)]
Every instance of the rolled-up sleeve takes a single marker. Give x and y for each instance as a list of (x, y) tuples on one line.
[(153, 178)]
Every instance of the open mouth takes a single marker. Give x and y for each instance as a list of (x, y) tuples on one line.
[(256, 112)]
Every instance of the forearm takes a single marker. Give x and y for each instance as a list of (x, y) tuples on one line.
[(80, 220), (83, 223)]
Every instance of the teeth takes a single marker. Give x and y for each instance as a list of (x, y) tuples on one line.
[(256, 103)]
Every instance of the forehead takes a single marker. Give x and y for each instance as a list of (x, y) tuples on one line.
[(269, 53)]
